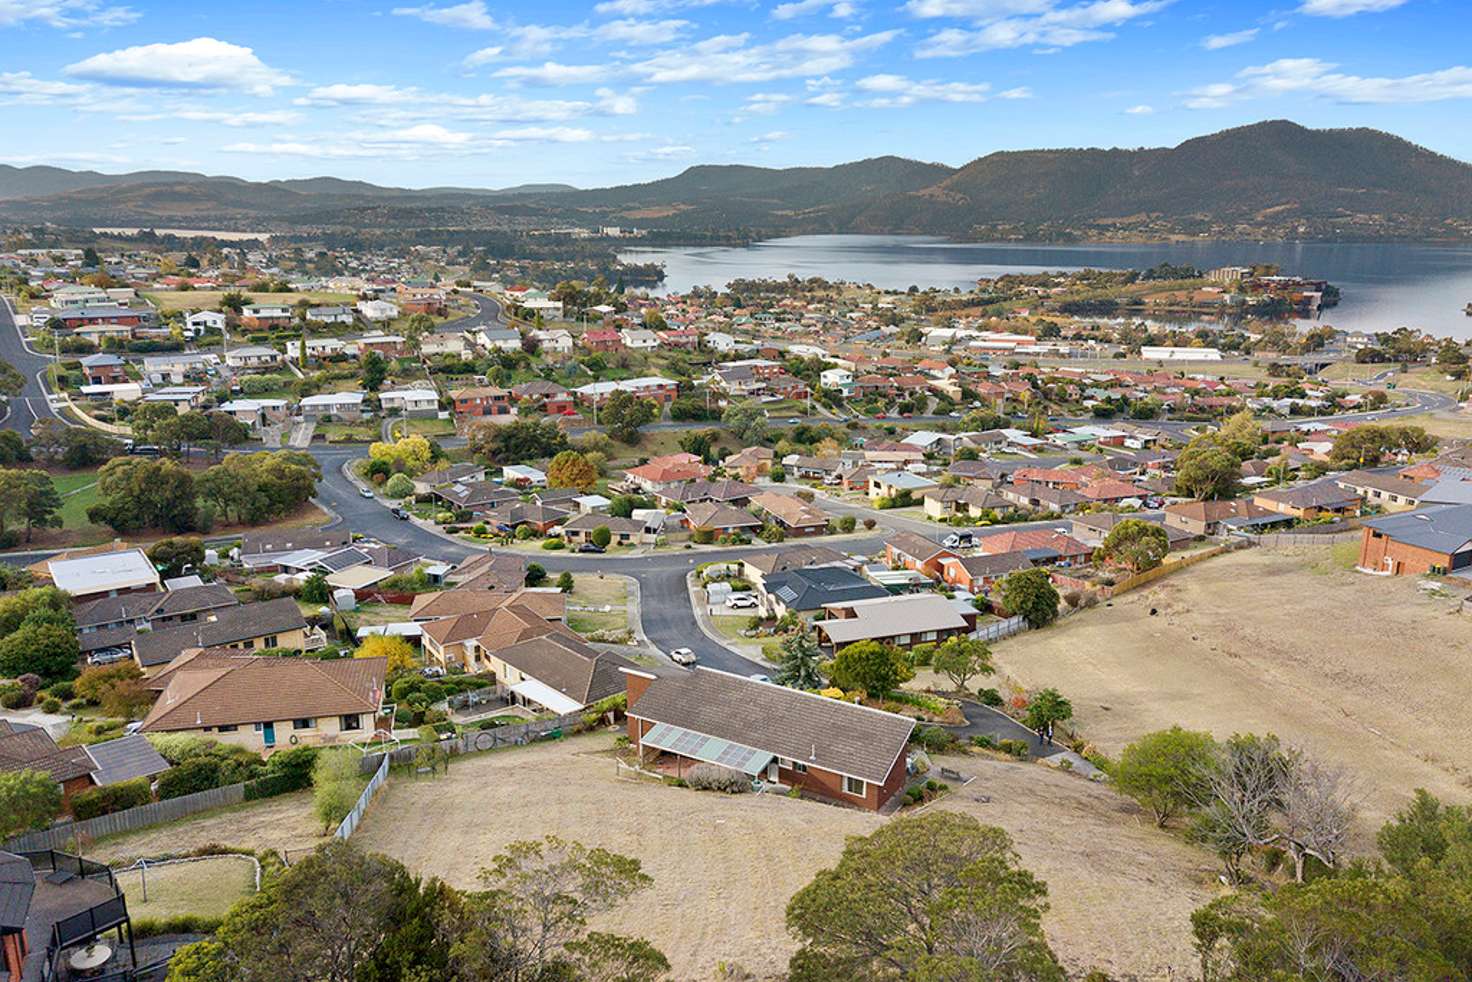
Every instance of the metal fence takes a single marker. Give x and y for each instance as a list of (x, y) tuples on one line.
[(997, 630), (348, 824), (509, 735), (129, 819)]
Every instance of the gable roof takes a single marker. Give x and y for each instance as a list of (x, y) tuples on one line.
[(1063, 545), (710, 514), (125, 758), (145, 606), (32, 749), (1445, 529), (890, 616), (258, 688), (916, 546), (790, 510), (1324, 493), (826, 733), (228, 625), (810, 589), (564, 662), (294, 540), (793, 557)]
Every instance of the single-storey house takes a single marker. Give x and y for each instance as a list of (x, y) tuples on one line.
[(976, 574), (247, 627), (109, 574), (252, 356), (325, 405), (807, 591), (1307, 502), (708, 516), (825, 747), (792, 514), (623, 531), (410, 402), (1200, 518), (902, 621), (1437, 539), (911, 551)]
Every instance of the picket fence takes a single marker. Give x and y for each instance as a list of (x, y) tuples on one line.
[(129, 819)]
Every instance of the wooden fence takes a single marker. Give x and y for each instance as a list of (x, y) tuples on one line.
[(1291, 540), (129, 819), (1151, 575)]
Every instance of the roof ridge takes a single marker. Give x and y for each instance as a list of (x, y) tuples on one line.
[(802, 692), (321, 668)]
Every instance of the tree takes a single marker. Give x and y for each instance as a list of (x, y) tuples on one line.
[(136, 493), (374, 371), (624, 414), (601, 536), (869, 665), (28, 800), (1135, 543), (1314, 811), (934, 897), (410, 455), (1046, 708), (535, 574), (399, 486), (747, 422), (565, 582), (400, 653), (45, 649), (82, 447), (177, 555), (260, 487), (798, 668), (1206, 469), (38, 504), (1241, 435), (1030, 593), (335, 787), (315, 589), (962, 659), (226, 431), (17, 608), (1166, 771), (570, 469), (415, 329), (1234, 812), (1367, 445), (149, 418), (516, 442)]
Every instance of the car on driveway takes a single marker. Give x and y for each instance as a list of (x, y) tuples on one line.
[(683, 656), (740, 601)]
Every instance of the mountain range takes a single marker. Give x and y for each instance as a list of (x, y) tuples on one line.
[(1273, 179)]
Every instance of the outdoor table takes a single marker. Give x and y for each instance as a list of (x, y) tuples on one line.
[(90, 958)]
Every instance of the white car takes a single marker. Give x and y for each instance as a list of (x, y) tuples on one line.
[(365, 492), (740, 601), (682, 656)]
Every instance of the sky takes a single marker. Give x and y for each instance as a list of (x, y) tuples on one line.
[(496, 93)]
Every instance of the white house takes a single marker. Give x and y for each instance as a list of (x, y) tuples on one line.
[(410, 402), (181, 397), (639, 339), (203, 320), (444, 344), (498, 339), (175, 367), (253, 356), (348, 405), (836, 378), (522, 474), (331, 315), (377, 310), (554, 341), (549, 309), (316, 348), (721, 341), (255, 412)]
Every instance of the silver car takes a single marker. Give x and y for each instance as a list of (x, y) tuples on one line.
[(683, 656)]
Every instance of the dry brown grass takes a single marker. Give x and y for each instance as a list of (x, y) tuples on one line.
[(1367, 672), (204, 887), (281, 823), (724, 866)]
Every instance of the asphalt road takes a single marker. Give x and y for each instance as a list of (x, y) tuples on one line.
[(32, 403)]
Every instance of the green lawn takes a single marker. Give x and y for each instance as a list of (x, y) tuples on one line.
[(731, 625), (591, 591), (425, 427), (78, 493), (361, 432), (210, 299)]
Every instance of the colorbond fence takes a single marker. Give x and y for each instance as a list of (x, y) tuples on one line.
[(346, 827), (129, 819)]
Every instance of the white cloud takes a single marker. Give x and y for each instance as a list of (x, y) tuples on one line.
[(831, 99), (471, 16), (319, 150), (81, 157), (981, 10), (1310, 76), (641, 8), (1055, 27), (547, 134), (799, 8), (897, 91), (772, 137), (640, 32), (64, 13), (1215, 42), (1021, 92), (204, 63), (1346, 8), (761, 104), (1140, 110), (670, 151), (554, 73), (23, 87), (730, 58), (396, 103), (617, 103), (431, 133), (484, 56), (346, 94), (273, 118)]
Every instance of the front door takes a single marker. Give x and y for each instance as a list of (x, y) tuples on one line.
[(268, 733), (772, 772)]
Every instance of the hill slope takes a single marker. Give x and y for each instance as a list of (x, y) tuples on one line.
[(1271, 179)]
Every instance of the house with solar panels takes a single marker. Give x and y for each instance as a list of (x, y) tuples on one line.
[(783, 738)]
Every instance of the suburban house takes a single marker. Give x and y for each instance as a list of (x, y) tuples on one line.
[(902, 621), (910, 551), (725, 492), (976, 574), (387, 345), (256, 413), (710, 516), (317, 348), (469, 472), (807, 591), (1307, 502), (967, 502), (549, 397), (469, 639), (104, 369), (445, 344), (410, 402), (181, 397), (623, 531), (1041, 497), (802, 556), (893, 484), (109, 574), (548, 603), (112, 621), (485, 400), (474, 496), (253, 356), (825, 747), (1047, 546), (326, 405), (176, 368), (557, 672), (204, 320), (258, 315), (659, 390), (602, 340), (668, 469), (269, 624), (1201, 518), (1389, 491), (750, 463), (264, 703), (330, 315), (792, 514), (377, 310), (1093, 528), (498, 339), (1437, 539), (31, 748), (554, 341)]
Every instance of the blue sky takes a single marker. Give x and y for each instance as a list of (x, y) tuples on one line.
[(492, 93)]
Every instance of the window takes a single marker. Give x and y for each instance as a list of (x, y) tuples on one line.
[(305, 723), (352, 721), (256, 726), (928, 636), (854, 786), (799, 767), (270, 641), (229, 728), (902, 640)]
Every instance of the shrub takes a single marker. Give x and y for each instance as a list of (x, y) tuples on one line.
[(713, 777), (62, 690), (111, 798), (989, 697), (195, 774), (50, 705), (398, 486), (525, 532), (985, 741), (146, 927), (934, 739), (15, 697), (869, 523), (553, 545), (1017, 748)]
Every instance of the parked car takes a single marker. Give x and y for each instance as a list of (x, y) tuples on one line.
[(683, 656), (401, 514), (432, 672), (759, 677), (365, 492), (740, 601), (591, 547), (956, 539)]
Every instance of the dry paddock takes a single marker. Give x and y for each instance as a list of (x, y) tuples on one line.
[(724, 866), (1369, 672)]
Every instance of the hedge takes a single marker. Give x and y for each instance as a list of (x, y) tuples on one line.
[(111, 798), (273, 784)]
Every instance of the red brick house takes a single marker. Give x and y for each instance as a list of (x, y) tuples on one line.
[(976, 574), (827, 748), (911, 551), (482, 401), (1437, 539), (605, 341), (551, 398)]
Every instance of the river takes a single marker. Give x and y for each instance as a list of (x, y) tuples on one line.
[(1384, 286)]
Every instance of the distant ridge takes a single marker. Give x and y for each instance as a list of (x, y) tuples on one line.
[(1269, 179)]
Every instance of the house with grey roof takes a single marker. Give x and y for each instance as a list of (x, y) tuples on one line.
[(1431, 540)]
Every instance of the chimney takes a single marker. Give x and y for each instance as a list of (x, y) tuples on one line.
[(813, 757)]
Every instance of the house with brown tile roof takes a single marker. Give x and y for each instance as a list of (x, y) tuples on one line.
[(551, 603), (1206, 517), (827, 748), (911, 551), (490, 571), (266, 703), (270, 624), (976, 574), (557, 672), (720, 519), (1061, 550), (1309, 501), (795, 516), (466, 640)]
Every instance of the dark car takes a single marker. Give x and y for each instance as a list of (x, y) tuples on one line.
[(401, 514), (591, 547)]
